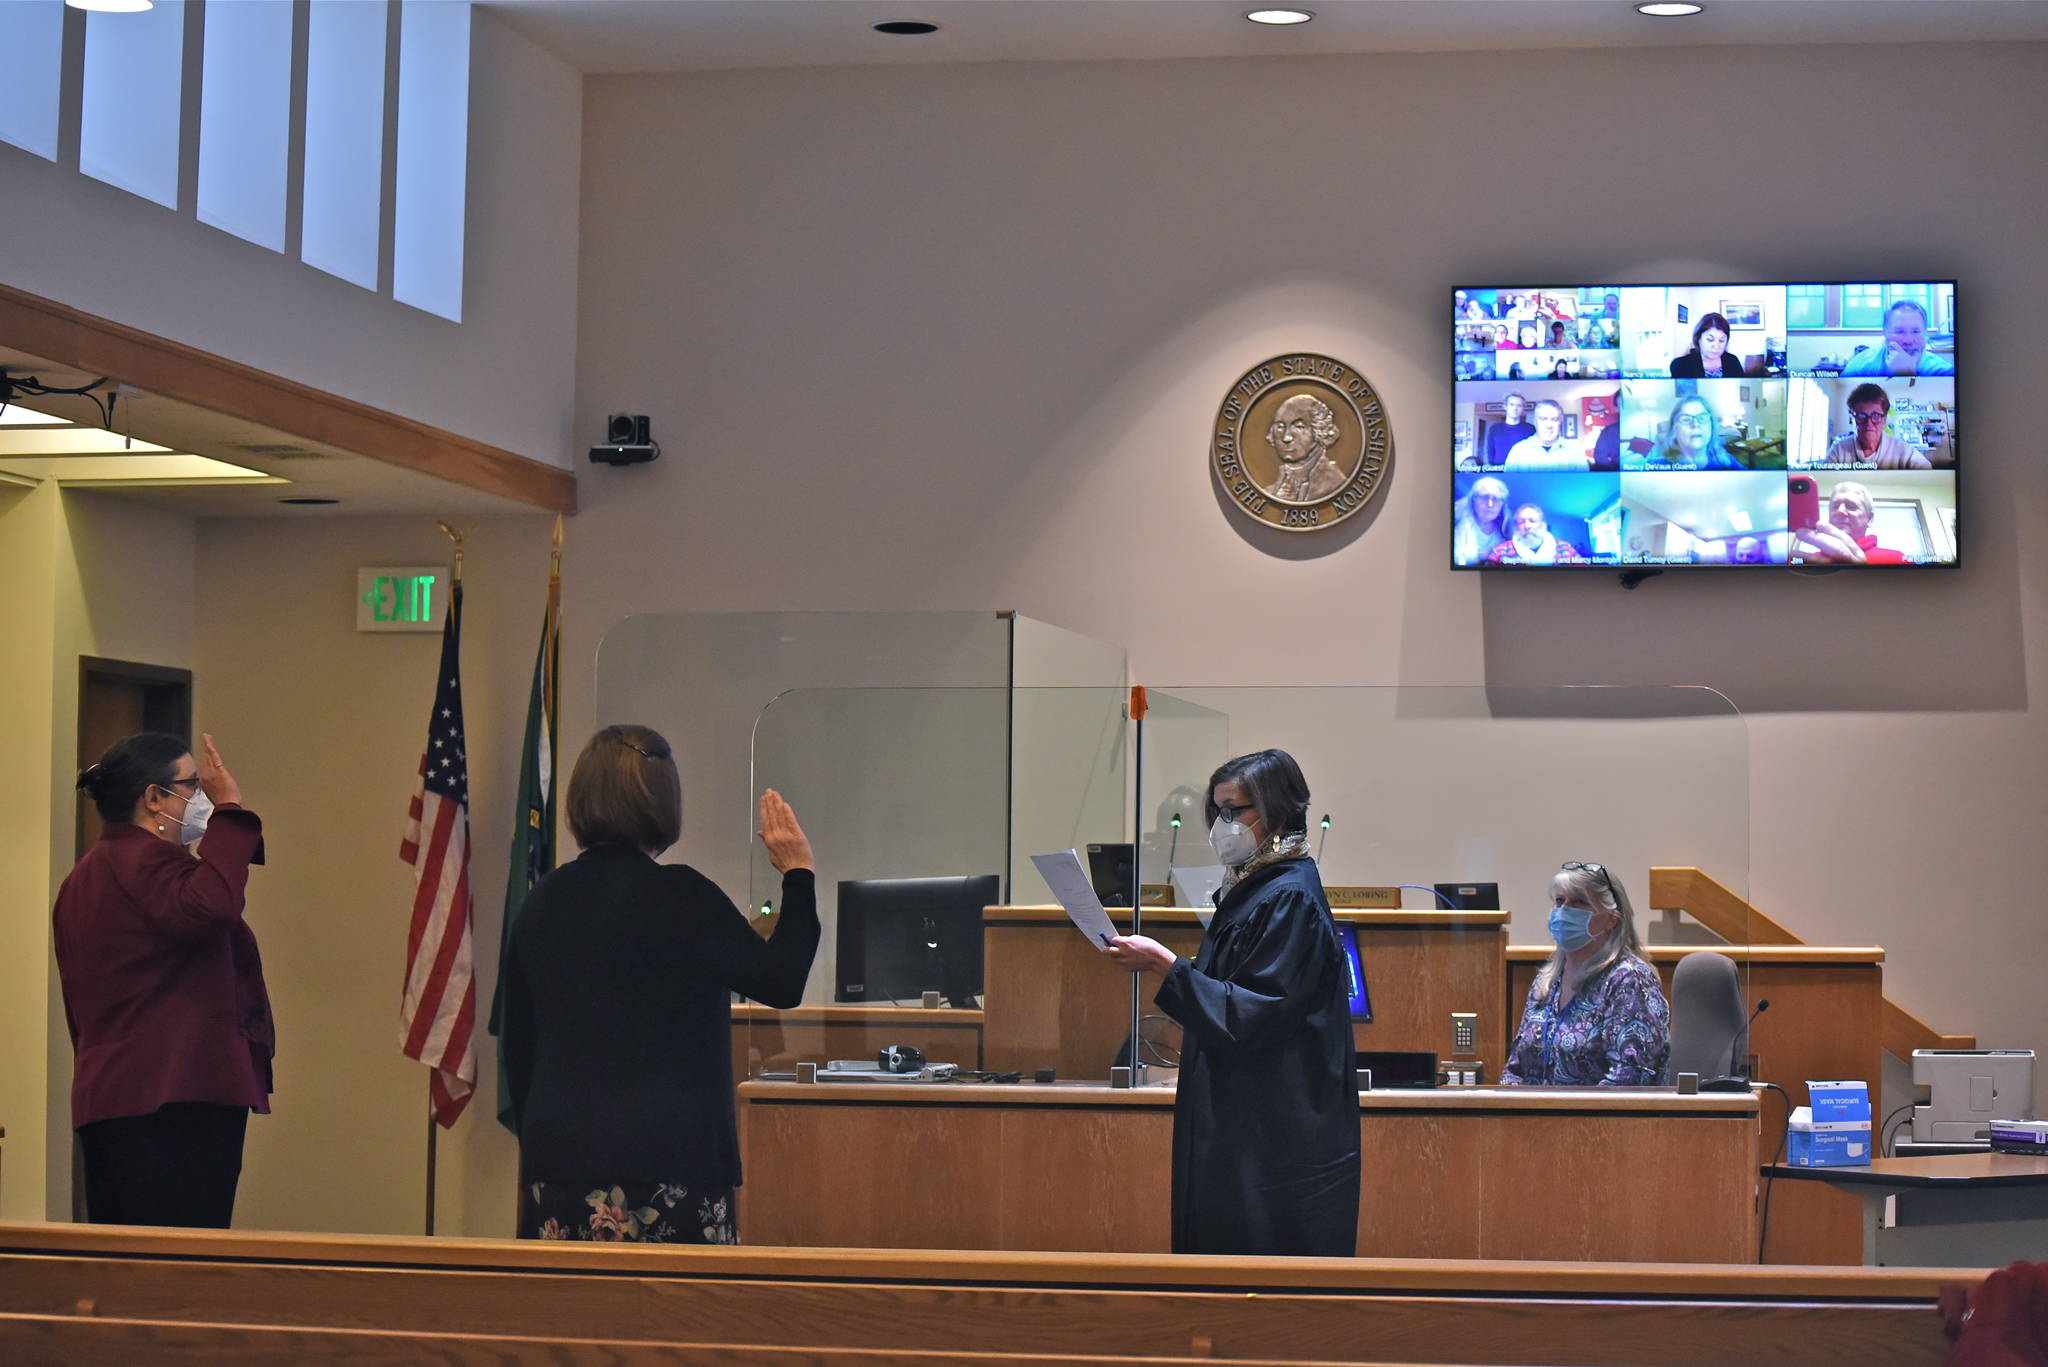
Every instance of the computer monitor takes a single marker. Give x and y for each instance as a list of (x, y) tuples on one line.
[(1470, 896), (1109, 870), (902, 937), (1398, 1067), (1359, 1000)]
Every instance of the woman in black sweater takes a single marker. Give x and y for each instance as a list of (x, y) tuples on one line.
[(618, 1022)]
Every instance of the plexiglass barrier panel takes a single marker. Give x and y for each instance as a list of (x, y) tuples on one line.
[(919, 802), (1425, 797)]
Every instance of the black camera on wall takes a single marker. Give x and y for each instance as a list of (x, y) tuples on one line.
[(629, 440)]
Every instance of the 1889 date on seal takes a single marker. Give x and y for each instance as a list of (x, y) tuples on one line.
[(1301, 442)]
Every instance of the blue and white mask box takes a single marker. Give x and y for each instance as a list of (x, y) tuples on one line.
[(1833, 1132)]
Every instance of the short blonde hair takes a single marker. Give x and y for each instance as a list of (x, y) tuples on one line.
[(625, 791)]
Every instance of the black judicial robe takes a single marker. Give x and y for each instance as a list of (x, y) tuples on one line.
[(1265, 1123)]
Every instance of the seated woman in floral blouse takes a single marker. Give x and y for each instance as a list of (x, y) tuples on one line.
[(1596, 1015)]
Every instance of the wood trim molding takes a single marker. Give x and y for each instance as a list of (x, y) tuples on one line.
[(1715, 907), (1742, 954), (965, 1267), (64, 336), (1721, 911), (1188, 916), (1904, 1032)]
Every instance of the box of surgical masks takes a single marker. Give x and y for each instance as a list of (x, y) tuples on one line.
[(1833, 1132)]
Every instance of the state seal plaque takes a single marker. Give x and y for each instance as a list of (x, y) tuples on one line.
[(1301, 442)]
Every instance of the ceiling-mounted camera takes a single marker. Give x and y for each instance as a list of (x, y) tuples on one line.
[(628, 441)]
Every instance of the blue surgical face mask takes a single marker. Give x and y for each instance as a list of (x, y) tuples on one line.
[(1571, 927)]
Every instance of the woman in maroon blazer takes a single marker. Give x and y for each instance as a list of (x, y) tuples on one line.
[(163, 988)]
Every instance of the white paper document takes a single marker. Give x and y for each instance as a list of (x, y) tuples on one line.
[(1063, 873)]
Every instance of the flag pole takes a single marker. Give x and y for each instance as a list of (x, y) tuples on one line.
[(433, 1127)]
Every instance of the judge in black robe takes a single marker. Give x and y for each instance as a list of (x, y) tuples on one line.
[(1265, 1121)]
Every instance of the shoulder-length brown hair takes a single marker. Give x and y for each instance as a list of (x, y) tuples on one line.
[(625, 791)]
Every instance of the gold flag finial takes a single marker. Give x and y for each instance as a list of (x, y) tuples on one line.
[(457, 538)]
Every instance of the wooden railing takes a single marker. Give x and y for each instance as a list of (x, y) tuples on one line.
[(1738, 922), (85, 1294)]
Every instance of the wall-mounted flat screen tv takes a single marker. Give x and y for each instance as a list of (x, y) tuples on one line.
[(1640, 427)]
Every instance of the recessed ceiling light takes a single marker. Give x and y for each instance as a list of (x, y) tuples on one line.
[(905, 28), (1669, 9), (1280, 16), (113, 6)]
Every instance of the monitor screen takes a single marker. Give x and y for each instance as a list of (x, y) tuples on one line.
[(899, 938), (1705, 426), (1359, 1000)]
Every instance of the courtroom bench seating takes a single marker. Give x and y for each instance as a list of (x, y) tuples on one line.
[(78, 1294)]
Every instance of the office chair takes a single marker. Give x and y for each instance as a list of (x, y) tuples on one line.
[(1709, 1024)]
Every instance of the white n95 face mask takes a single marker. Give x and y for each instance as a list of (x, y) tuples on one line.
[(1232, 842), (198, 811)]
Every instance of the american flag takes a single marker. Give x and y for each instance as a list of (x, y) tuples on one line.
[(438, 1015)]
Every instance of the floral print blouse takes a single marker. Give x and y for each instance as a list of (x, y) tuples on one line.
[(1615, 1032)]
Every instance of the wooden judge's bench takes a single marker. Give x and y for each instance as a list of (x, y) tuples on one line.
[(1610, 1174)]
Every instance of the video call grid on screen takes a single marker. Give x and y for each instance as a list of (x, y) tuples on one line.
[(1706, 426)]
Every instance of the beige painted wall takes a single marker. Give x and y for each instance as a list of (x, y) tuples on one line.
[(88, 574), (323, 725)]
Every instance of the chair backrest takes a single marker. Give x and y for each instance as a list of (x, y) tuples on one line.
[(1709, 1029)]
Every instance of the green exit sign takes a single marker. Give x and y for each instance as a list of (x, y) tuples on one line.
[(407, 598)]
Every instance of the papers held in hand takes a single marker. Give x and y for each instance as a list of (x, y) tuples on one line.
[(1070, 885)]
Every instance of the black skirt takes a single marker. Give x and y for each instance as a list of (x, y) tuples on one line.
[(629, 1212)]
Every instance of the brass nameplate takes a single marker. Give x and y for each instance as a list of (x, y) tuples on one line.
[(1364, 899)]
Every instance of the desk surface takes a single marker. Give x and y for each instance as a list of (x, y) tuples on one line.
[(1188, 916), (1947, 1170), (1742, 954), (856, 1013), (1492, 1100)]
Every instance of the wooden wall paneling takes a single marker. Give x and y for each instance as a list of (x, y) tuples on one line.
[(1449, 1175), (1558, 1186), (1111, 1168), (873, 1176), (1824, 1022), (1050, 1000), (1421, 1190), (1419, 975), (937, 1175)]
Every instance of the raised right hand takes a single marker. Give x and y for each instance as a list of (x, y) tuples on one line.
[(788, 848), (214, 777)]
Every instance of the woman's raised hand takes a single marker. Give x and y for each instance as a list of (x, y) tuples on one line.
[(787, 846), (214, 777)]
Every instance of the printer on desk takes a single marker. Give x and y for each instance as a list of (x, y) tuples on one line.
[(1968, 1089)]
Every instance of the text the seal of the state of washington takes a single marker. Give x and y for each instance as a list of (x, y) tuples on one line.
[(1301, 442)]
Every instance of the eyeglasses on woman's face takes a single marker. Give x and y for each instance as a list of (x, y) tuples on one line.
[(1236, 815)]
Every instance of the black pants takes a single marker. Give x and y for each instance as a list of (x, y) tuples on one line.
[(175, 1166)]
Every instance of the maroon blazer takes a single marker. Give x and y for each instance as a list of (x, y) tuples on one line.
[(163, 988)]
